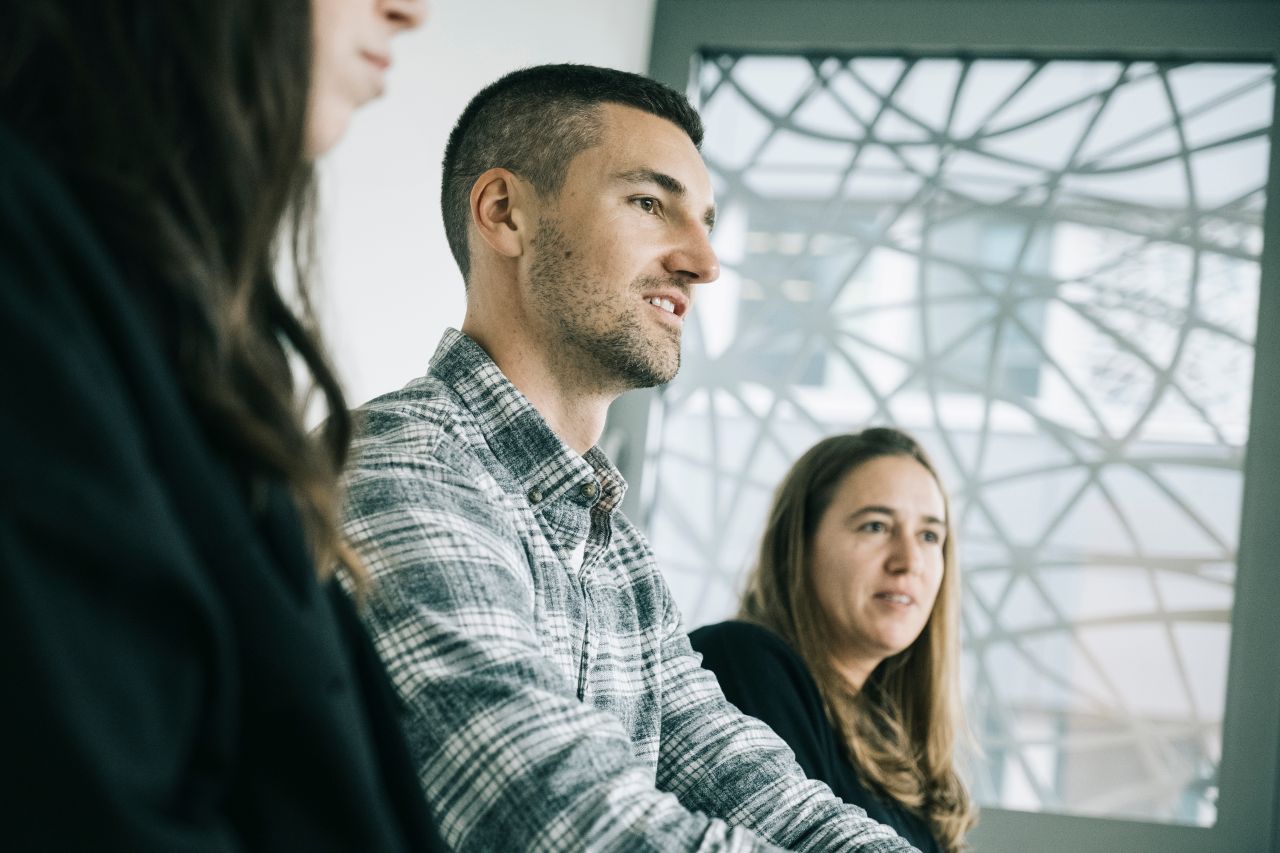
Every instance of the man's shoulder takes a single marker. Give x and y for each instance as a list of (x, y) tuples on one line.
[(422, 444), (424, 419)]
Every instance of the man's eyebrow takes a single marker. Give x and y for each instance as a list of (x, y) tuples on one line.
[(668, 183), (649, 176)]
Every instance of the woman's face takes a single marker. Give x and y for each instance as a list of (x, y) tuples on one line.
[(877, 561), (352, 41)]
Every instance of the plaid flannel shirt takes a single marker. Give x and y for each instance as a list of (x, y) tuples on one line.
[(553, 700)]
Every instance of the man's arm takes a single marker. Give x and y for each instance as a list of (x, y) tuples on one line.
[(509, 757), (762, 677), (744, 772)]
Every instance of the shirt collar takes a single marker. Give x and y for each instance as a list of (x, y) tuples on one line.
[(543, 467)]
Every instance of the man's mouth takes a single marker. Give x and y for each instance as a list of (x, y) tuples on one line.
[(665, 304)]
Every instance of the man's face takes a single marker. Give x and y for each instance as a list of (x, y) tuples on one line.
[(616, 255)]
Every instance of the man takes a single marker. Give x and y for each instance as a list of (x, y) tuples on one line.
[(553, 700)]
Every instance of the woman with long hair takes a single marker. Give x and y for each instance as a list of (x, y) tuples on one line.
[(848, 641), (181, 671)]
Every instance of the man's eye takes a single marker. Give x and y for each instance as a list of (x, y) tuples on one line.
[(874, 527), (646, 203)]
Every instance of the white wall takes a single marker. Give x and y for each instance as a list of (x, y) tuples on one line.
[(389, 285)]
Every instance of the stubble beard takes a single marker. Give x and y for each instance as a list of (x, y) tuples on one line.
[(600, 341)]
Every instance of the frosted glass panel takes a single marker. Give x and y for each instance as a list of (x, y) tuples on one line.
[(1048, 271)]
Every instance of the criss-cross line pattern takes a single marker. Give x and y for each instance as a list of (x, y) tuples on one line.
[(1048, 272)]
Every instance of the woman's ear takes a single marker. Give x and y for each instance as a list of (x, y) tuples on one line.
[(497, 199)]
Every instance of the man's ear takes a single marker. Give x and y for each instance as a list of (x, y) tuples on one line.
[(497, 211)]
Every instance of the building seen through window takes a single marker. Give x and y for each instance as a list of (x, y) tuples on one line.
[(1048, 271)]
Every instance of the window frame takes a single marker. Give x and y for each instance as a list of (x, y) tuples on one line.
[(1209, 30)]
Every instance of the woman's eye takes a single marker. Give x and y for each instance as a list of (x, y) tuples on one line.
[(875, 527), (932, 537)]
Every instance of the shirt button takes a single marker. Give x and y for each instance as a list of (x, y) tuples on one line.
[(535, 496), (589, 490)]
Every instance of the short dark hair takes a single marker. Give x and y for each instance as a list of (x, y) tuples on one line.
[(533, 122)]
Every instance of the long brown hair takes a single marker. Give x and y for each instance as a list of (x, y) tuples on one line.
[(180, 128), (901, 728)]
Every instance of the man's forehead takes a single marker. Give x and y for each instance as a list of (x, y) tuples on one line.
[(635, 141)]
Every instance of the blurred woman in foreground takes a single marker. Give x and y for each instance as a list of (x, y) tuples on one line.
[(849, 646), (179, 674)]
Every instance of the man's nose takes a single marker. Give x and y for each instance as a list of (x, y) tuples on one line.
[(694, 259)]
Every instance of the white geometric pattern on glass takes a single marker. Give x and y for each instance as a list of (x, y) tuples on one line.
[(1048, 272)]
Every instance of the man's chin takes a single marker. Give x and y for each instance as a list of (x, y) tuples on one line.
[(664, 376), (642, 362), (651, 374), (663, 369)]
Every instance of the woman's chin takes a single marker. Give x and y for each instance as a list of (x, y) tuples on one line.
[(325, 128)]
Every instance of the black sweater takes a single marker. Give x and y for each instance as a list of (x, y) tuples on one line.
[(765, 678), (175, 679)]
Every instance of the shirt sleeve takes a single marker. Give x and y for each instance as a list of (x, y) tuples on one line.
[(509, 758), (743, 771)]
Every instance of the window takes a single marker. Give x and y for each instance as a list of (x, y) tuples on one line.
[(1048, 266)]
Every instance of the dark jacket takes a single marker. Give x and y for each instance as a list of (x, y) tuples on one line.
[(174, 678), (765, 678)]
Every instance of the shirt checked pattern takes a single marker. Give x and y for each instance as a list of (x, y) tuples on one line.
[(553, 701)]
